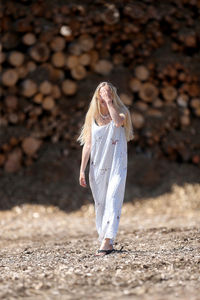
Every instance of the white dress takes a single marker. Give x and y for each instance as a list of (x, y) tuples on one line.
[(107, 176)]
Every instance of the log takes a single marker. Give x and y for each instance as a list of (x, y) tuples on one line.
[(38, 98), (56, 92), (13, 118), (58, 59), (141, 73), (103, 67), (142, 106), (69, 87), (110, 15), (137, 120), (31, 66), (86, 43), (10, 77), (29, 39), (72, 61), (58, 44), (48, 103), (126, 99), (30, 145), (78, 72), (148, 92), (169, 93), (182, 76), (29, 88), (135, 84), (185, 120), (45, 88), (195, 105), (39, 52), (16, 58), (190, 40), (84, 59)]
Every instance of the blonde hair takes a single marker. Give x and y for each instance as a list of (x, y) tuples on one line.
[(94, 111)]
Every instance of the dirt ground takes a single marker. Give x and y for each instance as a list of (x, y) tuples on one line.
[(47, 253)]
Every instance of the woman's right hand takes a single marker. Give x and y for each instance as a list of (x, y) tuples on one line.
[(82, 180)]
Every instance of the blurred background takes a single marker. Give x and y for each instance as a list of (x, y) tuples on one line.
[(55, 53)]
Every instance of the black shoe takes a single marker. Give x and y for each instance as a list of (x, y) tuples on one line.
[(106, 251), (109, 251)]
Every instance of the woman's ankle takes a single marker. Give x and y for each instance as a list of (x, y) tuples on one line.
[(107, 243)]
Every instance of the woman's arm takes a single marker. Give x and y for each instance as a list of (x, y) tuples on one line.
[(85, 157), (118, 118)]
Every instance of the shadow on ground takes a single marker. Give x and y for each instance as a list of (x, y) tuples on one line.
[(54, 179)]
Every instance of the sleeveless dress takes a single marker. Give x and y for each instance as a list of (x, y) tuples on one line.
[(107, 176)]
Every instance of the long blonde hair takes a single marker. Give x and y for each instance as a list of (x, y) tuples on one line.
[(94, 111)]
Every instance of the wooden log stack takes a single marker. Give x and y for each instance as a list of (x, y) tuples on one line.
[(48, 49)]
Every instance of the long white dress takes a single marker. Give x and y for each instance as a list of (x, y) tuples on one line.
[(107, 176)]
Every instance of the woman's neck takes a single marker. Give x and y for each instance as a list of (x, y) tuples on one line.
[(104, 110)]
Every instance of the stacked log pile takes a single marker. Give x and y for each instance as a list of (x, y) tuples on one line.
[(48, 48)]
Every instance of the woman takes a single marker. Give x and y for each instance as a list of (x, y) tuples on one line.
[(105, 133)]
